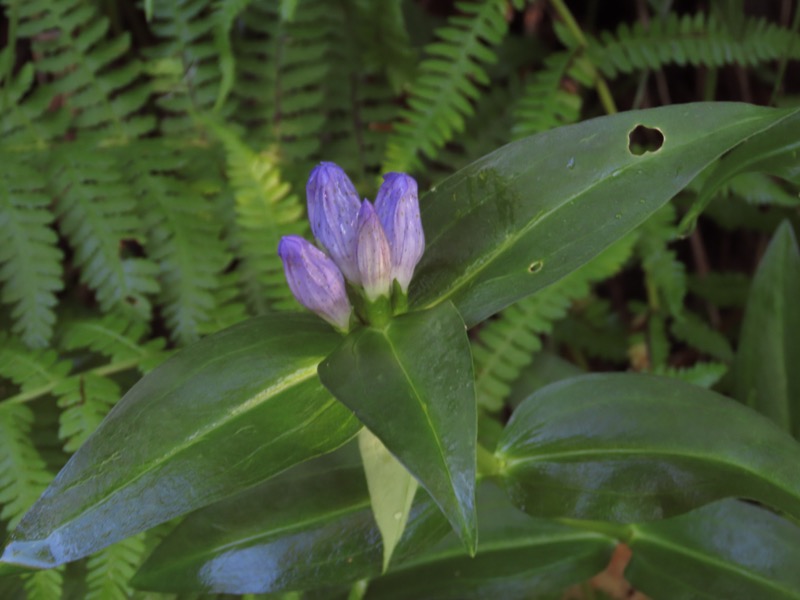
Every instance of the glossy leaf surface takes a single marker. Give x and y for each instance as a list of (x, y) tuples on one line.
[(412, 385), (518, 557), (767, 369), (527, 214), (223, 414), (309, 527), (623, 447), (728, 549)]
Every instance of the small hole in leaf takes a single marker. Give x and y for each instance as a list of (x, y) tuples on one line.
[(535, 266), (645, 139)]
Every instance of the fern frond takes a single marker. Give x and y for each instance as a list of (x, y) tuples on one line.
[(228, 306), (704, 374), (26, 121), (117, 338), (384, 42), (30, 260), (359, 95), (723, 289), (595, 331), (224, 17), (447, 83), (760, 188), (185, 29), (44, 585), (23, 474), (693, 330), (506, 345), (71, 46), (85, 400), (283, 68), (31, 370), (178, 226), (488, 129), (548, 101), (97, 215), (109, 571), (265, 210), (665, 274), (695, 40)]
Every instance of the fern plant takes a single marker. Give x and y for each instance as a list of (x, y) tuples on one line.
[(152, 157)]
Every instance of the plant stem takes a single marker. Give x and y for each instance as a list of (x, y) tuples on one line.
[(488, 463), (603, 91)]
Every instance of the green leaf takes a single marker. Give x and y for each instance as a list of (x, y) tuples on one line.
[(309, 527), (773, 151), (623, 447), (766, 374), (221, 415), (412, 385), (527, 214), (728, 549), (391, 490), (518, 557)]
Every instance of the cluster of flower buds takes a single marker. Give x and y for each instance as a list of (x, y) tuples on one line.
[(370, 250)]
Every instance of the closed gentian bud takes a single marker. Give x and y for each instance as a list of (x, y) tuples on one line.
[(333, 207), (315, 280), (398, 210), (373, 254)]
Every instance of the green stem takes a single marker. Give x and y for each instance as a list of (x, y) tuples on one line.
[(379, 311), (601, 87), (566, 16), (488, 464)]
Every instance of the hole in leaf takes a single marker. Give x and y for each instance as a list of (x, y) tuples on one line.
[(535, 266), (645, 139)]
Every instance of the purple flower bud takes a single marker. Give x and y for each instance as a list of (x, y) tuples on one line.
[(315, 281), (373, 254), (333, 206), (398, 210)]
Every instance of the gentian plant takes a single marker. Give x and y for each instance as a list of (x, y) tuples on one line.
[(348, 454)]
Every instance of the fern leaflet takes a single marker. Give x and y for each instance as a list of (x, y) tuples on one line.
[(506, 345), (265, 210), (447, 83), (102, 94), (547, 101), (178, 225), (665, 274), (695, 40), (30, 260), (109, 571), (97, 215)]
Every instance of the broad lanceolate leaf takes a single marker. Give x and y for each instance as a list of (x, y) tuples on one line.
[(766, 371), (518, 557), (391, 490), (527, 214), (218, 417), (307, 528), (728, 549), (624, 447), (412, 385)]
